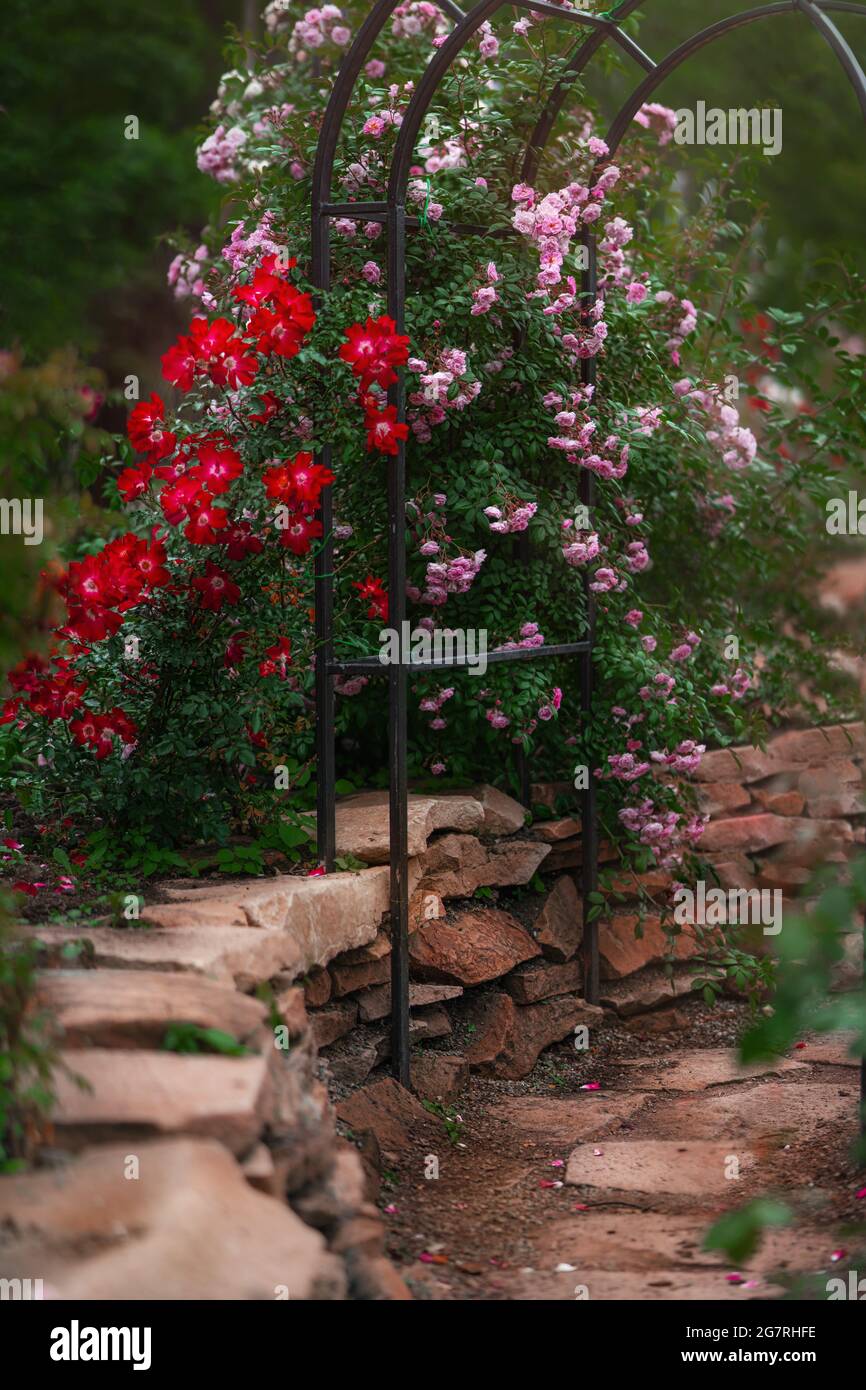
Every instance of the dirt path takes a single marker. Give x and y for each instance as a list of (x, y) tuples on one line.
[(548, 1190)]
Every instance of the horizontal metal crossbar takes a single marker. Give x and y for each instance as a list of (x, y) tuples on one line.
[(377, 212), (373, 665)]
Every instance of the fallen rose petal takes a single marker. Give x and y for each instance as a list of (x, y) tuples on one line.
[(391, 1209), (28, 888), (838, 1255), (598, 1152), (580, 1206), (861, 1194), (734, 1279), (557, 1163), (565, 1269), (549, 1182), (591, 1086)]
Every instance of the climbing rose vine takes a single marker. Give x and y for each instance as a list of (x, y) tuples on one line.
[(182, 673)]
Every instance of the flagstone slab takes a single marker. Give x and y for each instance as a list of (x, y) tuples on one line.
[(325, 915), (830, 1048), (696, 1168), (695, 1071), (225, 954), (189, 1226), (158, 1093), (133, 1008), (363, 824), (563, 1121), (650, 1286), (772, 1110), (647, 1241)]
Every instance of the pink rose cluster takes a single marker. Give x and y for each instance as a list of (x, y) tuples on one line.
[(516, 516), (429, 405), (664, 832), (218, 155)]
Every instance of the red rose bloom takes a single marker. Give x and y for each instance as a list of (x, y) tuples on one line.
[(216, 588), (383, 430)]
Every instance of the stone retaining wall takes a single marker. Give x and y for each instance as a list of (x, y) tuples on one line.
[(242, 1186)]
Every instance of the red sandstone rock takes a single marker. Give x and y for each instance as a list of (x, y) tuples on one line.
[(543, 979), (292, 1010), (333, 1021), (470, 948), (134, 1008), (388, 1110), (559, 925), (510, 1038), (189, 1227), (552, 831), (790, 803), (439, 1075), (317, 988), (348, 978), (622, 953), (714, 797), (455, 865), (151, 1093), (752, 833)]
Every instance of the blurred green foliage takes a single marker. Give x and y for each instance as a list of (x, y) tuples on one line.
[(814, 190), (82, 205)]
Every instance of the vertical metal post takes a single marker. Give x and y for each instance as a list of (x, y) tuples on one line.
[(397, 676), (589, 814), (522, 549), (326, 811), (863, 1058)]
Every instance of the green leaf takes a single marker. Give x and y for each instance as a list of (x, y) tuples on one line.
[(739, 1233)]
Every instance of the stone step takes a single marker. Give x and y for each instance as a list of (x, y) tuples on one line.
[(363, 827), (133, 1008), (225, 954), (143, 1094), (672, 1167), (184, 1225), (694, 1071)]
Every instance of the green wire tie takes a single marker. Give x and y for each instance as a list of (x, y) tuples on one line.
[(423, 220)]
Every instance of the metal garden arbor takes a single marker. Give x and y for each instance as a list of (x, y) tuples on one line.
[(592, 30)]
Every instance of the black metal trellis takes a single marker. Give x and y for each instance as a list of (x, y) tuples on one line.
[(595, 30)]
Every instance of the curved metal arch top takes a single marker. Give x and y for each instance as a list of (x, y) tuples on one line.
[(813, 12), (392, 211)]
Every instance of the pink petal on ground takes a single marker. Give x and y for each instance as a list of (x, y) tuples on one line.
[(838, 1255), (591, 1086), (557, 1163)]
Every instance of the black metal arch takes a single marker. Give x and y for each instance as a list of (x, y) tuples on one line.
[(392, 212)]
